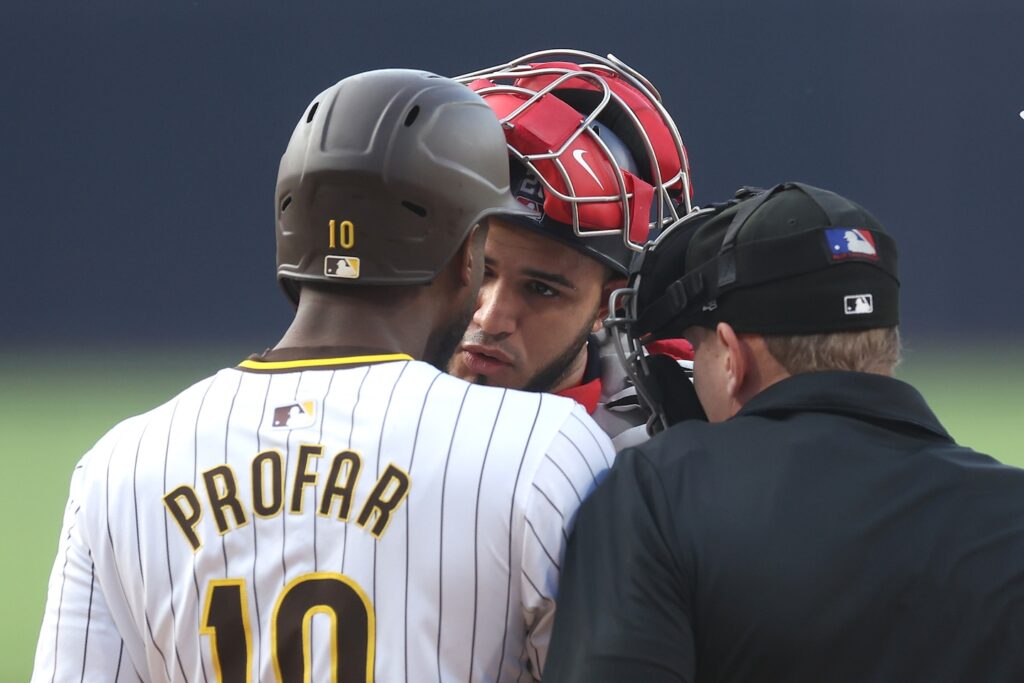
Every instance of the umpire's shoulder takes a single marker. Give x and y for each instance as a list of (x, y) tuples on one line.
[(680, 445), (694, 448)]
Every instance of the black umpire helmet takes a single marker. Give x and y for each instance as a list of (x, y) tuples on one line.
[(384, 176), (792, 260)]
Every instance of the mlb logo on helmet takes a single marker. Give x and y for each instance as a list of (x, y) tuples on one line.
[(341, 266), (847, 243), (859, 304)]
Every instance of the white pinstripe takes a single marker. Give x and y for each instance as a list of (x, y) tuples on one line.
[(476, 601)]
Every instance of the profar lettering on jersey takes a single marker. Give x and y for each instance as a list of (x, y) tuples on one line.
[(271, 493)]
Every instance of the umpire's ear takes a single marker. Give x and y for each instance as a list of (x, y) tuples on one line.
[(735, 360), (748, 365)]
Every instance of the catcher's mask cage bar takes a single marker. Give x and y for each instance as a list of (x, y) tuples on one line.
[(667, 212), (571, 199), (623, 314)]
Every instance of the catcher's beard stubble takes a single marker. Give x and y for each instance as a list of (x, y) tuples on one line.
[(556, 371), (552, 374)]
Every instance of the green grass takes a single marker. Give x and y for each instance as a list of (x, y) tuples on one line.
[(54, 407), (52, 410), (978, 394)]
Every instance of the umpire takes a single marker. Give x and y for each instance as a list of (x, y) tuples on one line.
[(823, 526)]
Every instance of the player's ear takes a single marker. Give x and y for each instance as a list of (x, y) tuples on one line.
[(611, 284), (469, 260), (735, 360)]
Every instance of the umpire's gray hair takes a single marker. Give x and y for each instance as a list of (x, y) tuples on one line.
[(877, 350)]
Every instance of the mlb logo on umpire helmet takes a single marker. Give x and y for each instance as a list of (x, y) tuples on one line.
[(845, 243), (859, 304)]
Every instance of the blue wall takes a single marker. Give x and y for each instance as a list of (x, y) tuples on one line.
[(140, 142)]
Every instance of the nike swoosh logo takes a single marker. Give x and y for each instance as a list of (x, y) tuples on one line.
[(577, 154)]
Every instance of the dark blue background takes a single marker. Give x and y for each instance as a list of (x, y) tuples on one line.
[(140, 141)]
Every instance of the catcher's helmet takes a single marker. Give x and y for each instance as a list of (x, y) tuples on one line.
[(385, 175), (609, 160), (528, 188)]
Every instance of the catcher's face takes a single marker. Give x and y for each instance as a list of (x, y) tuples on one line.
[(539, 302)]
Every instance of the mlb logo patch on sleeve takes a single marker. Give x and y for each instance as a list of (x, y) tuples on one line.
[(847, 243)]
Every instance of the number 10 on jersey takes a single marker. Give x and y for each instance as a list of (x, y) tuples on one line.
[(342, 601)]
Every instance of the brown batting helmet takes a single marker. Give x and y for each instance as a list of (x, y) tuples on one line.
[(384, 177)]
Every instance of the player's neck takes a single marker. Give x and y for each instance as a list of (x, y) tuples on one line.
[(324, 320), (574, 374)]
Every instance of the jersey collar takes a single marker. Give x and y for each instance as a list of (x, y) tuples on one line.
[(317, 358), (865, 395), (587, 395)]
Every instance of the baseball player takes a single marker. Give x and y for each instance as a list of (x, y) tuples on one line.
[(594, 152), (336, 509)]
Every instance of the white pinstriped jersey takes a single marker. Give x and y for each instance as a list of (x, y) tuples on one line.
[(281, 519)]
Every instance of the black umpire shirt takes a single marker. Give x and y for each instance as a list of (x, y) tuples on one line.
[(831, 531)]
